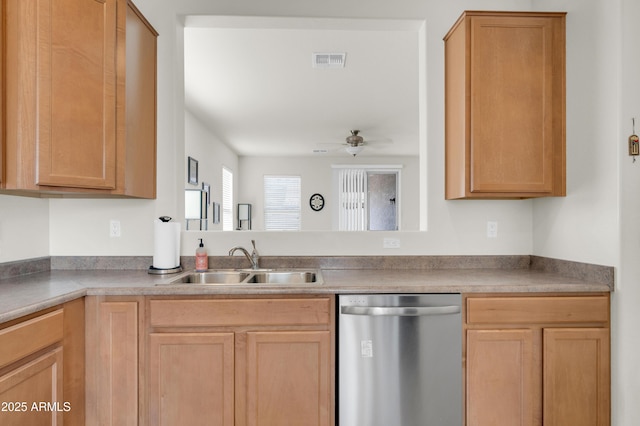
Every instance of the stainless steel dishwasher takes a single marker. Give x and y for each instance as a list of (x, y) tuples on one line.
[(400, 360)]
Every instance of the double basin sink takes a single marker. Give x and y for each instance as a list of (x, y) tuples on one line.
[(250, 277)]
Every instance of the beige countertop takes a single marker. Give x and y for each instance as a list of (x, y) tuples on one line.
[(29, 293)]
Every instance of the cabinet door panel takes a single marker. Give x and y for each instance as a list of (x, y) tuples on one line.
[(576, 377), (500, 383), (288, 378), (512, 140), (191, 379), (76, 93), (39, 381), (117, 373), (137, 140)]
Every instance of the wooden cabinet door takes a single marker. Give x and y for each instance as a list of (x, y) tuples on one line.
[(136, 172), (512, 104), (76, 93), (191, 379), (38, 382), (500, 382), (287, 379), (576, 377), (112, 362)]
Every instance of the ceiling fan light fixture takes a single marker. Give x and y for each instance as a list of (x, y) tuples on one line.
[(354, 150)]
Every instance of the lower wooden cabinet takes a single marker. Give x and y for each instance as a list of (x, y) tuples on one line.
[(112, 366), (576, 376), (31, 394), (42, 368), (191, 379), (211, 361), (500, 378), (287, 378), (535, 361)]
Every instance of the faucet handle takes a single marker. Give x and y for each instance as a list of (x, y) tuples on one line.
[(253, 243)]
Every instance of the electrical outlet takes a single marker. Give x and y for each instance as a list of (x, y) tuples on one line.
[(492, 229), (392, 243), (114, 228)]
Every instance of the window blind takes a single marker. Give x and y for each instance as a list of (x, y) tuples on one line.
[(352, 193), (282, 203)]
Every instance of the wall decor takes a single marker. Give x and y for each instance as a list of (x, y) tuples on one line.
[(207, 189), (192, 171), (316, 202), (216, 212), (244, 216)]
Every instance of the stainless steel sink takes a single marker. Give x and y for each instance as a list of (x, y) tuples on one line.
[(212, 277), (250, 277), (284, 277)]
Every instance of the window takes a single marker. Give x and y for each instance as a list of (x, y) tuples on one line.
[(227, 199), (367, 198), (282, 203)]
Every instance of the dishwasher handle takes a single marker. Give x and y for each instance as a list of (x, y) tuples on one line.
[(400, 311)]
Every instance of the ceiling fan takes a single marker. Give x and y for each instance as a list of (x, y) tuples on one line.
[(356, 143)]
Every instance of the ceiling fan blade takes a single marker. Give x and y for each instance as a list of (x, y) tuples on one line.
[(380, 141), (331, 144)]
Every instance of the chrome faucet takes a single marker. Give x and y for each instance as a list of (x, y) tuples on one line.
[(254, 257)]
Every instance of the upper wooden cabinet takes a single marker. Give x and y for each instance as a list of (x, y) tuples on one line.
[(505, 105), (79, 98)]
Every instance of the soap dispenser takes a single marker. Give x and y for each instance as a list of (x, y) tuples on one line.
[(202, 258)]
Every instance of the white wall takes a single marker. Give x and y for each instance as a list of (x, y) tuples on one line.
[(625, 312), (212, 155), (24, 228), (316, 177), (584, 225)]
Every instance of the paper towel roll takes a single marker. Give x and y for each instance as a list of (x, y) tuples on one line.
[(166, 245)]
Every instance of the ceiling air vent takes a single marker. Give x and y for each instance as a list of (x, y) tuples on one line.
[(328, 60)]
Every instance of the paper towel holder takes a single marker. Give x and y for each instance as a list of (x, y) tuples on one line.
[(159, 271), (162, 271)]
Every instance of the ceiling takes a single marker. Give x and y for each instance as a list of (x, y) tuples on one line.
[(251, 81)]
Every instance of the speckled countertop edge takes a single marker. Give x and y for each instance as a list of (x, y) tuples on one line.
[(27, 293)]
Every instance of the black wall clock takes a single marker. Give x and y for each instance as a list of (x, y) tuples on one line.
[(316, 202)]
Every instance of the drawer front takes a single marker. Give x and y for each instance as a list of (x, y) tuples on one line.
[(558, 309), (238, 312), (30, 336)]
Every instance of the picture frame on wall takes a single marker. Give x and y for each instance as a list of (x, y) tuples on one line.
[(192, 171), (207, 189), (216, 212)]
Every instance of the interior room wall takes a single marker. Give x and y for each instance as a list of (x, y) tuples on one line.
[(625, 313), (24, 228), (212, 154), (316, 177), (584, 225)]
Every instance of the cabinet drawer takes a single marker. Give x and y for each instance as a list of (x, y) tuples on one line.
[(239, 312), (558, 309), (30, 336)]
